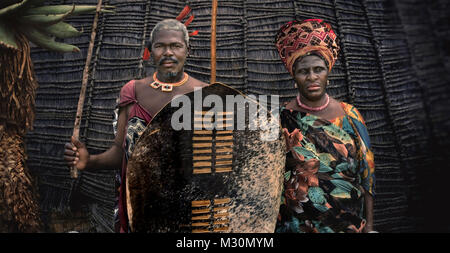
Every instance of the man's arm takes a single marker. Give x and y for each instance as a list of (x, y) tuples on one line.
[(76, 153)]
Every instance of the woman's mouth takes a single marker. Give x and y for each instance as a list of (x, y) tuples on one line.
[(313, 87)]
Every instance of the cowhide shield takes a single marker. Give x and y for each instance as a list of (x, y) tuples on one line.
[(203, 179)]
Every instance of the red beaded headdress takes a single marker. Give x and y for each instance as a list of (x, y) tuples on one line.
[(296, 39)]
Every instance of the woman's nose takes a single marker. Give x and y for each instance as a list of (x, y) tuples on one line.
[(311, 75)]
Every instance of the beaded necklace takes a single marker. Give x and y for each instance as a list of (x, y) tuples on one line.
[(167, 87), (313, 109)]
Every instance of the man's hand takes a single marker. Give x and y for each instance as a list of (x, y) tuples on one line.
[(76, 154)]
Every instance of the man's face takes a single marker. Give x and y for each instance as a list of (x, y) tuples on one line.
[(169, 52), (311, 75)]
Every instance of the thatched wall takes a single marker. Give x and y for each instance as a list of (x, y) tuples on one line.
[(393, 67)]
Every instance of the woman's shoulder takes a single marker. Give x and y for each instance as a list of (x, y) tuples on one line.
[(352, 111), (288, 105)]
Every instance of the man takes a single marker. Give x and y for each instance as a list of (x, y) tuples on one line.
[(140, 101)]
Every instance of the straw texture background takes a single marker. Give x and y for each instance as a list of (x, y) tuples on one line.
[(394, 67)]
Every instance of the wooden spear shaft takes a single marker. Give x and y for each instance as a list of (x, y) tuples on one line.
[(213, 41), (76, 127)]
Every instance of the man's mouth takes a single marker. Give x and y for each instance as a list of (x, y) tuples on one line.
[(167, 62)]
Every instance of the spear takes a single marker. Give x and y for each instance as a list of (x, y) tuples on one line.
[(213, 41), (76, 127)]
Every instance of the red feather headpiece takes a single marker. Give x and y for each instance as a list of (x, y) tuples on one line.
[(180, 17)]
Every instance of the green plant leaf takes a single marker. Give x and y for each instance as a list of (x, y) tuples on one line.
[(7, 38), (12, 8)]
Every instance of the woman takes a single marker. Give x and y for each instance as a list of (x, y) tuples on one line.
[(329, 178)]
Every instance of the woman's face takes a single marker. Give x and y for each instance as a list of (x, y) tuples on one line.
[(311, 75)]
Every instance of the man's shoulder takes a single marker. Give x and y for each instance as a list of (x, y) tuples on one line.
[(128, 87), (143, 81), (198, 83)]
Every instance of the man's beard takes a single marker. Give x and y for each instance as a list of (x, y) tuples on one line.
[(168, 75)]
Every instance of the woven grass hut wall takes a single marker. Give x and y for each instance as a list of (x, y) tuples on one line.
[(394, 67)]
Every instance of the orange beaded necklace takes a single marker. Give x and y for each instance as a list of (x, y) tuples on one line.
[(167, 87)]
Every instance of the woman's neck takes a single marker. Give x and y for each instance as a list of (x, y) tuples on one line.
[(314, 103)]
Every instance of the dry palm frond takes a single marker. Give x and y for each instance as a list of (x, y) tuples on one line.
[(17, 87), (19, 211)]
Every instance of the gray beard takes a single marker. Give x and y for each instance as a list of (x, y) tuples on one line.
[(169, 75)]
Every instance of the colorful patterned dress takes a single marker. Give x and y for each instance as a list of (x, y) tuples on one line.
[(138, 119), (326, 174)]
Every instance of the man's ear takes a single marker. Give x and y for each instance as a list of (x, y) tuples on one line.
[(146, 55)]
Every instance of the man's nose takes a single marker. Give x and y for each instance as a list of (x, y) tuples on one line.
[(168, 51)]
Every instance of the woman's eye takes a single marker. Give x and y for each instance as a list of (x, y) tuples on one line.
[(303, 71), (318, 69)]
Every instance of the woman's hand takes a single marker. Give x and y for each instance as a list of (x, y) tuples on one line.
[(292, 139)]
